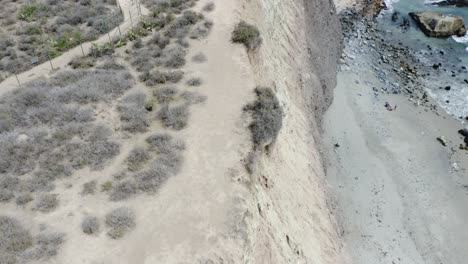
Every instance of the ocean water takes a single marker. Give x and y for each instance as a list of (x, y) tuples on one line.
[(452, 53)]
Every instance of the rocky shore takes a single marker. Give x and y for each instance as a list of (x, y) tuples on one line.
[(395, 65), (398, 67)]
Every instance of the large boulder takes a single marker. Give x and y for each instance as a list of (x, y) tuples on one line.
[(438, 25)]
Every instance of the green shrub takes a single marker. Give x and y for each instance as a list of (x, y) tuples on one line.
[(98, 51), (106, 186), (247, 34), (267, 115), (27, 12)]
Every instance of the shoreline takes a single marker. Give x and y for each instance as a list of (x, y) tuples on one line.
[(399, 193)]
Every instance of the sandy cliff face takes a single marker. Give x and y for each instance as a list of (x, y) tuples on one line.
[(290, 220)]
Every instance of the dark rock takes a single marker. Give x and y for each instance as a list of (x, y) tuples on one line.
[(463, 132), (395, 16), (435, 66), (465, 80), (457, 3), (405, 24), (442, 141), (447, 88)]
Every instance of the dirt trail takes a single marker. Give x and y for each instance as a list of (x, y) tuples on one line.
[(195, 216), (129, 8), (193, 212)]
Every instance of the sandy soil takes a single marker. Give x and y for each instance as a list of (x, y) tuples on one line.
[(196, 216), (401, 195), (129, 7)]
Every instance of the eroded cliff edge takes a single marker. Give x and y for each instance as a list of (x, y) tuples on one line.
[(291, 220)]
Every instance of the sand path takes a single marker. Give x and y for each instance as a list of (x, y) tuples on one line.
[(398, 194), (129, 8)]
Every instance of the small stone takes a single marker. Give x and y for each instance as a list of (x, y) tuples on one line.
[(442, 140), (447, 88)]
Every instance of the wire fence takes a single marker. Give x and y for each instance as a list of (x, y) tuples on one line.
[(104, 35)]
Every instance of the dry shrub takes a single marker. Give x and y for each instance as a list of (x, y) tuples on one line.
[(133, 114), (90, 225), (47, 128), (46, 246), (47, 203), (89, 188), (158, 77), (199, 58), (174, 56), (166, 162), (267, 115), (165, 95), (209, 7), (247, 34), (123, 190), (201, 30), (24, 199), (137, 159), (175, 117), (14, 238), (120, 221), (194, 82), (82, 62), (193, 97)]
